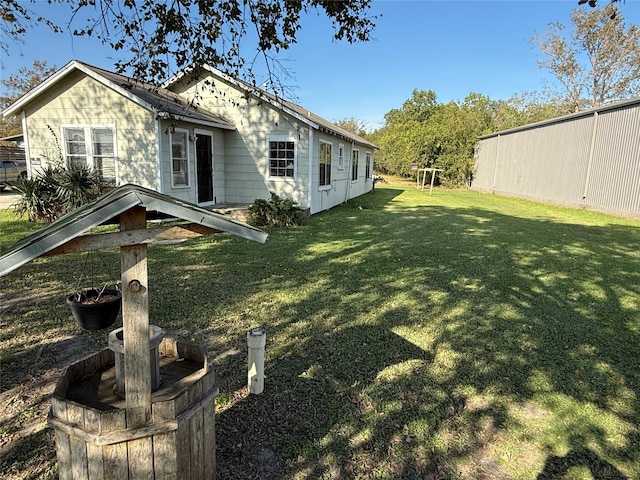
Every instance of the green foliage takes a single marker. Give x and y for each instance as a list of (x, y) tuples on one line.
[(56, 191), (17, 85), (596, 62), (277, 211), (160, 36), (434, 135)]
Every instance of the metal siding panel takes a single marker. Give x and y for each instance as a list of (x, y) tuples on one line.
[(485, 163), (545, 163), (549, 162), (615, 174)]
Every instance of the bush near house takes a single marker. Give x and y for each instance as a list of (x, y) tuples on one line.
[(277, 212), (56, 191)]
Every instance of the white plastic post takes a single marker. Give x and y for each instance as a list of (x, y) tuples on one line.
[(256, 340)]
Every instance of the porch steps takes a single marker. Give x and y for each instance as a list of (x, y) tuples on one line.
[(238, 211)]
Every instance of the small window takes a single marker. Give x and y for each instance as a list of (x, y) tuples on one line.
[(325, 163), (354, 165), (179, 159), (282, 158), (103, 152), (340, 156), (91, 147), (76, 147)]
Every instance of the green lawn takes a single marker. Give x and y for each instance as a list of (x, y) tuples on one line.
[(453, 335)]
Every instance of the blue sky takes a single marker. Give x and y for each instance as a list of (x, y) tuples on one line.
[(452, 47)]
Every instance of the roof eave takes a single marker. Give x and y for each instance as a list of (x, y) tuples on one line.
[(15, 108), (564, 118)]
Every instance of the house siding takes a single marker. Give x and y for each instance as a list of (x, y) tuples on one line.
[(244, 165), (590, 160), (246, 169), (342, 188), (81, 100)]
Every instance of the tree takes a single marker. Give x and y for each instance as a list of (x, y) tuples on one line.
[(161, 36), (16, 86), (598, 62), (434, 135), (354, 125)]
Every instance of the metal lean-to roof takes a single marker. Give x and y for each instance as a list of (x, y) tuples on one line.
[(104, 209), (571, 116)]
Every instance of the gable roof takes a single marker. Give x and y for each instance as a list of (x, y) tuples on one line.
[(296, 111), (164, 103), (105, 208)]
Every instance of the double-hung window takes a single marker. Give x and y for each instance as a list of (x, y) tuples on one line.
[(180, 158), (354, 165), (325, 151), (91, 147), (367, 166), (282, 158)]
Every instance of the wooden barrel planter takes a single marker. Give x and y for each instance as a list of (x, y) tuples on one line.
[(93, 440)]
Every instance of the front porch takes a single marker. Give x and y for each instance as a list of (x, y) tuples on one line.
[(238, 211)]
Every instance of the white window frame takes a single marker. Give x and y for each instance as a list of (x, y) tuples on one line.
[(328, 185), (367, 166), (282, 138), (185, 132), (341, 156), (89, 154), (355, 153)]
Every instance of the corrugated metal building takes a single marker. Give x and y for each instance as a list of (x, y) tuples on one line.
[(589, 159)]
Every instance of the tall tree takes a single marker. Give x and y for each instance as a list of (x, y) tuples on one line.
[(161, 36), (17, 85), (597, 62), (354, 125), (434, 135)]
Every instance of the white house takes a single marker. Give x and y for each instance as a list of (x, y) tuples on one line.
[(205, 138)]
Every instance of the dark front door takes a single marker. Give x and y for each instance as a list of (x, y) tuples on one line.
[(204, 157)]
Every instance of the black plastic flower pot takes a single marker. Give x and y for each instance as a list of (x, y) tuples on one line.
[(92, 314)]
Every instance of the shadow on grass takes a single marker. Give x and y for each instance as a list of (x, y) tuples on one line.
[(509, 330), (557, 467), (413, 337)]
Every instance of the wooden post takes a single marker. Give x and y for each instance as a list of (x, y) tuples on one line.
[(135, 322)]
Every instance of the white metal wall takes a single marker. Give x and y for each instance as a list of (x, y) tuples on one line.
[(591, 159)]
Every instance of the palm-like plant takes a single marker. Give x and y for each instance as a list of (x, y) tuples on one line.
[(55, 191)]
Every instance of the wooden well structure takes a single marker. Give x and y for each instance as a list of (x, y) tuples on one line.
[(164, 426)]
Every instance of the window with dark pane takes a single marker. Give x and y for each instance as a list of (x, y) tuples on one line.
[(325, 163), (281, 158)]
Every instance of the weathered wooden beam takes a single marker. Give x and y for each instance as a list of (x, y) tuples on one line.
[(135, 322), (159, 235)]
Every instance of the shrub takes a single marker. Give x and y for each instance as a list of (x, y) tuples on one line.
[(56, 191), (277, 211)]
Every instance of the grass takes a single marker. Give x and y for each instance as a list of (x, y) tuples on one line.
[(453, 335)]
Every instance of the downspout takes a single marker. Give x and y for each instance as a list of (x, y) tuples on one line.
[(27, 152), (310, 186), (349, 173), (591, 149), (159, 156)]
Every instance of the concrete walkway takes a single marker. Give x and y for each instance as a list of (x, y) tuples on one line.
[(7, 198)]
